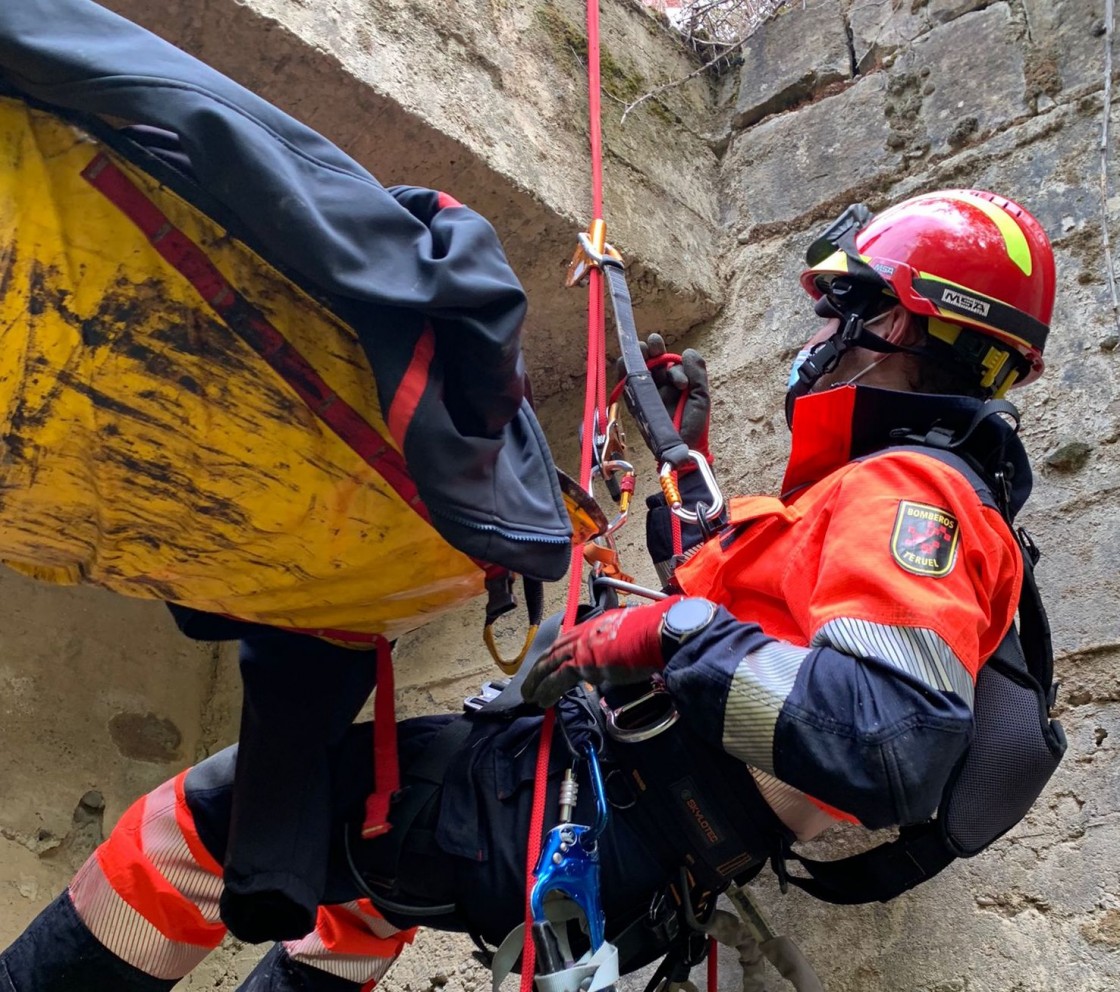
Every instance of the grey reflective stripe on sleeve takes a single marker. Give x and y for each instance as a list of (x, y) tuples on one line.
[(915, 650), (759, 687), (665, 570), (795, 809)]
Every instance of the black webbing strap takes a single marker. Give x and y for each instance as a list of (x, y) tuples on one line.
[(1034, 625), (956, 440), (425, 778), (880, 873), (642, 398)]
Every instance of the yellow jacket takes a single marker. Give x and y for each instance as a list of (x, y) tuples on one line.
[(149, 449)]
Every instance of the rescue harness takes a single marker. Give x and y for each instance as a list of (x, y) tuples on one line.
[(700, 809)]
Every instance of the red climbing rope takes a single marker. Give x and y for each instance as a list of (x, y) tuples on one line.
[(594, 418)]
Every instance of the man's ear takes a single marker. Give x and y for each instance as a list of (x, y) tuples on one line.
[(901, 328)]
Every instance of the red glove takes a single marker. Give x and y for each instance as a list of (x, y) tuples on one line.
[(620, 646)]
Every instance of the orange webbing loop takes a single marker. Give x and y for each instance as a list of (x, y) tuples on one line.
[(509, 666), (607, 559)]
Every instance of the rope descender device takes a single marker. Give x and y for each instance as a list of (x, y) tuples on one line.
[(569, 865)]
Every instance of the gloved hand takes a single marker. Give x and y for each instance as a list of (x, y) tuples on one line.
[(620, 646), (691, 375)]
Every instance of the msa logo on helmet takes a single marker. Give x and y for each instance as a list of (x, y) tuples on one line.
[(924, 540), (967, 303)]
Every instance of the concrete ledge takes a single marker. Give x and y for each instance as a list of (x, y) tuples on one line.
[(487, 100)]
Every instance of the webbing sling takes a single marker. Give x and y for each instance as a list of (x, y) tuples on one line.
[(642, 399)]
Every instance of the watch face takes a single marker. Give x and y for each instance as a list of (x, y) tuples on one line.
[(688, 616)]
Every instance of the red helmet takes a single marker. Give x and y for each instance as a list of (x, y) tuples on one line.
[(964, 259)]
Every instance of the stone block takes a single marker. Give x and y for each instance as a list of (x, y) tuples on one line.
[(1067, 44), (879, 30), (826, 153), (790, 58), (967, 77)]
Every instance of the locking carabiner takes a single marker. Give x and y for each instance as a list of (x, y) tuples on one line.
[(673, 494)]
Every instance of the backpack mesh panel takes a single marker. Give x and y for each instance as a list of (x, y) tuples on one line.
[(1014, 752)]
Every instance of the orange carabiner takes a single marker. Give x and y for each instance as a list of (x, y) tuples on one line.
[(592, 252)]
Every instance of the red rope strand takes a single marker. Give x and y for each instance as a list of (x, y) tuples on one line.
[(595, 394)]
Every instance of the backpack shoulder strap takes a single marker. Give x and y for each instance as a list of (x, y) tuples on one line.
[(878, 874)]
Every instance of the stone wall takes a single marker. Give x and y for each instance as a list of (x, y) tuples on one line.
[(873, 102), (713, 190)]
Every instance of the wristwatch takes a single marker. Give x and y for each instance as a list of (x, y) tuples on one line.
[(683, 620)]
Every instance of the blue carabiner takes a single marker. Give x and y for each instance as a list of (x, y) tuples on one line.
[(569, 862)]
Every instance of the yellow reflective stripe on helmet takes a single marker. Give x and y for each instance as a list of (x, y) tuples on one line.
[(974, 319), (1013, 237), (948, 329)]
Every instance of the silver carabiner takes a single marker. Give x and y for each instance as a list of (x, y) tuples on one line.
[(622, 722), (677, 507)]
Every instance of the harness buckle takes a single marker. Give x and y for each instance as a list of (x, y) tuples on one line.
[(641, 718), (490, 691)]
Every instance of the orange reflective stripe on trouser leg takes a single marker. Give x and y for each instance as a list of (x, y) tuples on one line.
[(351, 941), (150, 892)]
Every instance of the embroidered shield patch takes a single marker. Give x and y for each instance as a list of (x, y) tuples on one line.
[(925, 538)]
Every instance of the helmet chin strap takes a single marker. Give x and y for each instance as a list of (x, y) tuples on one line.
[(868, 367), (824, 358)]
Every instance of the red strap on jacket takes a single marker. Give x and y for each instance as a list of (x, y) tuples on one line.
[(386, 769)]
